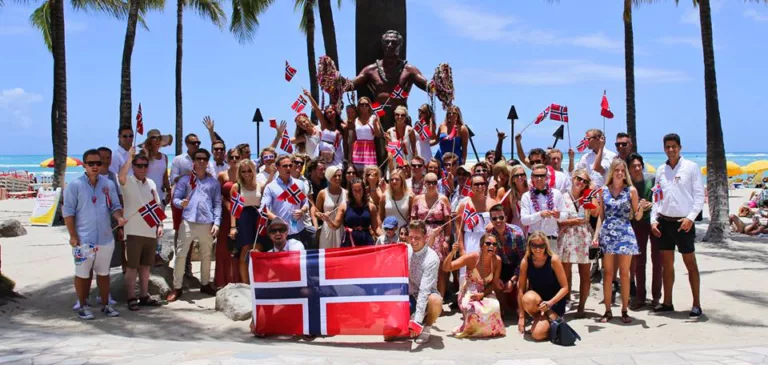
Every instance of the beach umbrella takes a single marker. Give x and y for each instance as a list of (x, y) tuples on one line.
[(732, 168), (757, 166), (650, 169), (71, 162)]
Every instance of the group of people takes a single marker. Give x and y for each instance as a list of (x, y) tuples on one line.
[(484, 236)]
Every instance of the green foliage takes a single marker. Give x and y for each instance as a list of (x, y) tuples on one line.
[(245, 19), (209, 9)]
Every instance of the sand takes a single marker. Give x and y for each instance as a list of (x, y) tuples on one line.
[(734, 299)]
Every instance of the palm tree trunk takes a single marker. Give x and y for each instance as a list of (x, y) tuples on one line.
[(329, 31), (372, 19), (59, 125), (717, 179), (126, 106), (629, 69), (309, 14), (179, 41)]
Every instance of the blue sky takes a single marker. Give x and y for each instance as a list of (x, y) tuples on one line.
[(502, 53)]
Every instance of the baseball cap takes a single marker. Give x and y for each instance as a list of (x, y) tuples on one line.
[(389, 223)]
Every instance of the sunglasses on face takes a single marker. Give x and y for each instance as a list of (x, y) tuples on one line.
[(417, 166), (201, 159), (481, 171), (479, 184), (218, 149), (621, 144), (127, 136), (539, 176), (268, 157), (93, 163), (428, 182), (153, 138), (298, 163), (194, 143), (538, 246), (489, 243), (535, 162), (583, 181), (234, 158), (141, 165), (350, 172), (278, 230), (449, 164), (500, 218), (518, 176), (363, 104), (399, 115)]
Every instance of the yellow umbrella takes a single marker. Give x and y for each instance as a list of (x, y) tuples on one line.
[(732, 168), (71, 162), (650, 169), (756, 166)]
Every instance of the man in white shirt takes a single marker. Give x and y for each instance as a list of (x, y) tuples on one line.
[(120, 155), (219, 162), (141, 237), (423, 268), (278, 233), (540, 208), (682, 198), (598, 159)]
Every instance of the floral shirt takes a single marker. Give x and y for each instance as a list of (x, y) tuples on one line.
[(512, 247)]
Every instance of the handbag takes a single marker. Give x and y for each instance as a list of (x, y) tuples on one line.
[(560, 333)]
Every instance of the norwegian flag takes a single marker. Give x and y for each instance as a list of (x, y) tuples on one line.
[(292, 195), (273, 123), (605, 109), (422, 130), (336, 291), (543, 115), (289, 72), (140, 122), (285, 142), (587, 196), (395, 149), (299, 104), (658, 193), (466, 189), (378, 109), (263, 221), (107, 198), (583, 144), (192, 180), (398, 93), (152, 213), (238, 203), (558, 113), (470, 216)]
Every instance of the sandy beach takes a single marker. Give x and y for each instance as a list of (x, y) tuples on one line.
[(734, 299)]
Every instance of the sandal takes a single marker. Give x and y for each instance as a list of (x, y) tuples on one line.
[(625, 318), (133, 304), (664, 308), (149, 302), (606, 317)]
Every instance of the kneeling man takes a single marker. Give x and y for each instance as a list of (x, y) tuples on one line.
[(424, 265)]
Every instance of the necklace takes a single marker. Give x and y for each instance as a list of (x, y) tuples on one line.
[(535, 200), (382, 74)]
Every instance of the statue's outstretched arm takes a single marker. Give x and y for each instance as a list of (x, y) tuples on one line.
[(359, 81), (417, 77)]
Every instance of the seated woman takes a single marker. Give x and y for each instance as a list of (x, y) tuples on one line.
[(751, 229), (477, 301), (541, 276)]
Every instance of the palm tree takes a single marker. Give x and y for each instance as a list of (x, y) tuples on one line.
[(210, 9), (135, 7), (49, 19), (307, 26), (329, 30), (629, 70)]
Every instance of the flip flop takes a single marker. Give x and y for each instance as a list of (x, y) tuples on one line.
[(625, 318), (133, 304), (607, 317)]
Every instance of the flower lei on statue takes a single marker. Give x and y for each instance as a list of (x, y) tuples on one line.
[(535, 200), (330, 81), (441, 86)]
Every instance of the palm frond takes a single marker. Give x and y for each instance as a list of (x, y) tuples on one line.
[(115, 8), (245, 18), (41, 19), (146, 6), (209, 9), (302, 5)]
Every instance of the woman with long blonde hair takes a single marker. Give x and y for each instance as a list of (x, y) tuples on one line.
[(618, 205), (402, 133), (453, 135), (244, 228), (374, 183), (397, 200), (519, 186), (367, 126)]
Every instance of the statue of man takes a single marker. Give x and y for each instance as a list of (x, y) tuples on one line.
[(382, 76)]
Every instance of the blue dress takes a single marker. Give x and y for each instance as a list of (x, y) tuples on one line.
[(446, 144), (617, 236)]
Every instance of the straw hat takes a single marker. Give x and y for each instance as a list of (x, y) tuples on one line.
[(165, 140)]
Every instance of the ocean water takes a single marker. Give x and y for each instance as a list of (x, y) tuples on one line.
[(31, 163)]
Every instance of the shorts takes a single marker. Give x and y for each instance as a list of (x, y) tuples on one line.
[(140, 251), (670, 237), (99, 262)]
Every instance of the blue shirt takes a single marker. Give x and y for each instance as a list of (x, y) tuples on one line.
[(281, 208), (88, 204), (204, 200)]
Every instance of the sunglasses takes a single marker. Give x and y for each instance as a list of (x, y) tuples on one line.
[(218, 149), (517, 176), (233, 158), (278, 230), (417, 166), (363, 104), (500, 218), (152, 138), (489, 243), (196, 143), (539, 176), (202, 159), (127, 136), (351, 172), (449, 164), (479, 184), (399, 115), (298, 163), (621, 144), (539, 246), (427, 182), (534, 162), (141, 165), (481, 171), (93, 163), (268, 157), (578, 179)]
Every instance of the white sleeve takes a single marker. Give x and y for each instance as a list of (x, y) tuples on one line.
[(527, 216), (698, 192)]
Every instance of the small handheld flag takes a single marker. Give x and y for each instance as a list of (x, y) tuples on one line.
[(558, 112), (152, 213), (543, 115), (238, 203), (605, 109), (398, 93), (285, 142), (583, 144), (299, 104), (289, 72), (378, 109), (470, 217), (422, 130), (263, 221), (658, 194), (587, 196), (394, 149), (292, 195), (273, 123), (466, 189), (140, 121)]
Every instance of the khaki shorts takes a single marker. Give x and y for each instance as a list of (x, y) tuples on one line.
[(140, 251)]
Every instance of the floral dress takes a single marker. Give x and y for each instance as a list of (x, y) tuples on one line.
[(574, 241), (434, 217), (617, 236), (481, 318)]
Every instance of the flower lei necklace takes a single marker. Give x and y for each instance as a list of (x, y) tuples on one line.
[(550, 200)]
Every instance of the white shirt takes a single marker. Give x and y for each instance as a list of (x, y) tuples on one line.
[(533, 220), (262, 177), (290, 245), (217, 168), (135, 195), (182, 165), (119, 158), (423, 269), (682, 188), (588, 161)]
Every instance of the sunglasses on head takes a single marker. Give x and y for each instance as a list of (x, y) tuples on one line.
[(93, 163)]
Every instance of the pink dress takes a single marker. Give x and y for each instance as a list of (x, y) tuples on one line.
[(434, 217)]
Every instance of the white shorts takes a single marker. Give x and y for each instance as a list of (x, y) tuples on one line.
[(99, 262)]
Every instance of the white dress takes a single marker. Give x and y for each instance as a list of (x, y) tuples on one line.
[(331, 238), (472, 237), (327, 144), (397, 209), (423, 149)]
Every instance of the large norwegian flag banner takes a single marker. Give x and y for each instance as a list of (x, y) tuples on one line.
[(337, 291)]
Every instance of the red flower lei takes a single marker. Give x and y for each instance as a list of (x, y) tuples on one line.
[(550, 200)]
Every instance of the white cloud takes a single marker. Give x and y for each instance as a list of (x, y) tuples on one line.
[(565, 72), (16, 102), (754, 15), (479, 25)]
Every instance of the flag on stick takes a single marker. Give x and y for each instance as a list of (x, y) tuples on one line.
[(299, 104), (605, 109), (558, 112), (289, 72), (152, 213), (140, 121)]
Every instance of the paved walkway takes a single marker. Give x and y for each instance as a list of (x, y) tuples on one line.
[(33, 347)]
